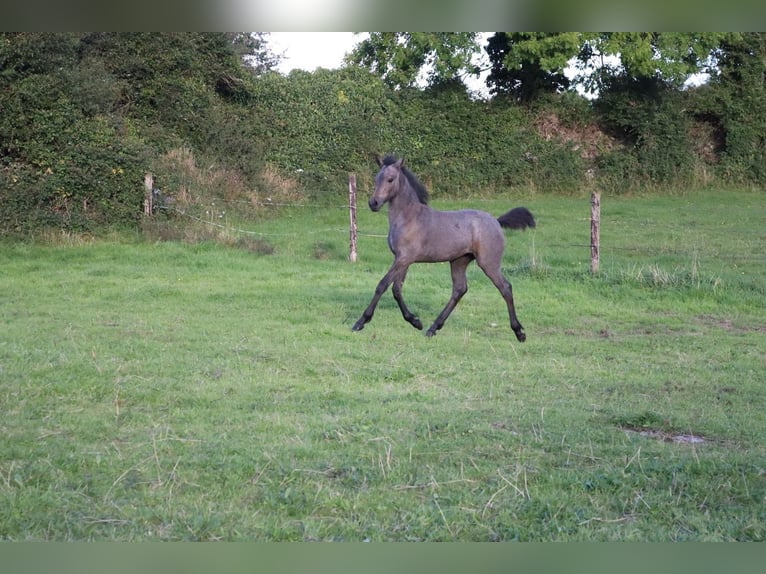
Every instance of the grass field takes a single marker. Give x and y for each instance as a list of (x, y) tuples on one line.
[(175, 391)]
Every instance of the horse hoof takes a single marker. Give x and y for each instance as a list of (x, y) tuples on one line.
[(521, 336), (430, 333), (417, 324), (358, 326)]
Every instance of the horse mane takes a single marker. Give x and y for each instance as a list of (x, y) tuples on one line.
[(420, 189)]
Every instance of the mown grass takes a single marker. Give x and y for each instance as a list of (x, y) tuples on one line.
[(178, 391)]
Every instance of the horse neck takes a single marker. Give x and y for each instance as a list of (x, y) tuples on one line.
[(405, 202)]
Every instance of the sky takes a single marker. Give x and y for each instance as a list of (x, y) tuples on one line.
[(311, 50)]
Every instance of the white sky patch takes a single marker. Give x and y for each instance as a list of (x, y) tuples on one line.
[(311, 50)]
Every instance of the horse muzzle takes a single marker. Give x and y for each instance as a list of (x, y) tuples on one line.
[(374, 204)]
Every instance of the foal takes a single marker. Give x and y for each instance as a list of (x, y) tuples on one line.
[(418, 233)]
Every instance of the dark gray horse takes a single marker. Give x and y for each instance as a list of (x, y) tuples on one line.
[(419, 234)]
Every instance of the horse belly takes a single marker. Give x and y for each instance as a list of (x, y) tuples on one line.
[(464, 232)]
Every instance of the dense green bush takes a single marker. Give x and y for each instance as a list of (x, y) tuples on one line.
[(325, 124), (77, 179), (65, 162), (739, 120), (83, 116), (320, 126), (649, 118)]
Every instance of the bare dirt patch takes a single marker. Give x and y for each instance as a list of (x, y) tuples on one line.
[(653, 425), (727, 324), (665, 436), (588, 139)]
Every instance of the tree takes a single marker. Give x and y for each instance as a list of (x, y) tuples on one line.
[(404, 58), (540, 58), (741, 60), (527, 78), (667, 57), (525, 65)]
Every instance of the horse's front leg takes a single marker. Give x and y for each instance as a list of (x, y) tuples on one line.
[(392, 274), (410, 317)]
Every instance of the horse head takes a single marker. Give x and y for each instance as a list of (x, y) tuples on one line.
[(387, 181)]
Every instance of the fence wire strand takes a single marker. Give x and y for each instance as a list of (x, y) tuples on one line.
[(233, 229)]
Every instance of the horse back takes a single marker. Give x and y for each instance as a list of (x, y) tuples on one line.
[(447, 235)]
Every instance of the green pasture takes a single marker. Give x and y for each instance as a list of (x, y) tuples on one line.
[(200, 391)]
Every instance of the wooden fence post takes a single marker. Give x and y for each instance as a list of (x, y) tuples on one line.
[(595, 227), (352, 217), (148, 195)]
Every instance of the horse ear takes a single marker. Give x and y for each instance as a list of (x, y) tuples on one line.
[(378, 160), (400, 163)]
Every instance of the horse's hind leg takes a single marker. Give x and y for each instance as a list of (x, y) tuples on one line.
[(459, 288), (504, 286), (411, 318)]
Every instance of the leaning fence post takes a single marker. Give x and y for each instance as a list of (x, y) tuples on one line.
[(352, 216), (595, 225), (148, 195)]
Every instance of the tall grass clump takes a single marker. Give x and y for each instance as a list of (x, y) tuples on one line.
[(655, 275), (213, 203)]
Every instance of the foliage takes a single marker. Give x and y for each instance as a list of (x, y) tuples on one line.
[(524, 64), (649, 117), (734, 103), (85, 113), (666, 56), (320, 126), (532, 76), (400, 58), (457, 146), (600, 57), (66, 161)]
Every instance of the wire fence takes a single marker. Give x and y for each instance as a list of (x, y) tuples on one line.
[(216, 218)]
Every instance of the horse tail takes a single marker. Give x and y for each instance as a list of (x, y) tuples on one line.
[(517, 218)]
